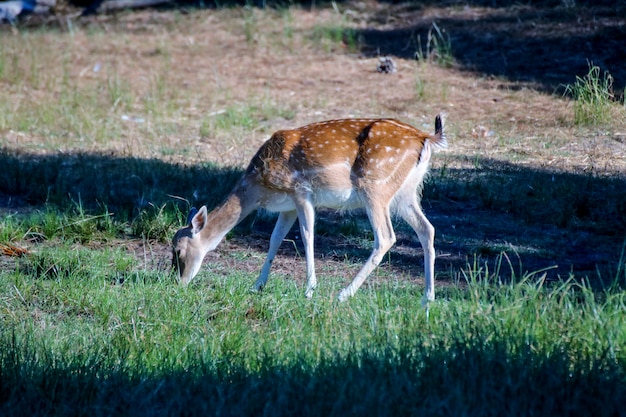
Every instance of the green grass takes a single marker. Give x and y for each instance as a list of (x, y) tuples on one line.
[(243, 117), (84, 332), (333, 38), (437, 48), (593, 96)]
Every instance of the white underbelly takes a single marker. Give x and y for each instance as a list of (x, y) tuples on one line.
[(337, 199), (334, 199), (279, 202)]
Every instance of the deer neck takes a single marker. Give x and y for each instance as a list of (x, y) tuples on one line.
[(225, 217)]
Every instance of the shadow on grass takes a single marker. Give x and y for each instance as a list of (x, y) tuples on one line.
[(476, 375), (539, 218), (543, 43), (123, 185)]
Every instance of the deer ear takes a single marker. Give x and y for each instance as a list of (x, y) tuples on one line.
[(192, 213), (198, 221)]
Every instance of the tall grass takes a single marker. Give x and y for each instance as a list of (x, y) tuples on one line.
[(337, 34), (593, 94), (334, 38), (437, 48)]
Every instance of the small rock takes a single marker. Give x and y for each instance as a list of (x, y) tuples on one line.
[(386, 65)]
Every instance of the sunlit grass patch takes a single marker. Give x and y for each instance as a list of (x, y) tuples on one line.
[(333, 38), (594, 97), (243, 117)]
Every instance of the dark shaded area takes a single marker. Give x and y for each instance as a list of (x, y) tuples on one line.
[(542, 43), (541, 218), (417, 379), (124, 185)]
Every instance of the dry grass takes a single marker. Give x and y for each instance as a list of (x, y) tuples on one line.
[(176, 72)]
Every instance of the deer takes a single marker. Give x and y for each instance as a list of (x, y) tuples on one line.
[(373, 164)]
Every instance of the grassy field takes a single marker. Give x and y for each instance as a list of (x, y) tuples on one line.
[(112, 127)]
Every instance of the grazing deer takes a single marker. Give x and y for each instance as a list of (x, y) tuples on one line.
[(376, 164)]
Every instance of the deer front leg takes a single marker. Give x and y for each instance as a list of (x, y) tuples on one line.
[(384, 238), (285, 220), (306, 218)]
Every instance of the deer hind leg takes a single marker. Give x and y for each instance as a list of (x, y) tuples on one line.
[(411, 212), (306, 219), (285, 220), (384, 238)]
